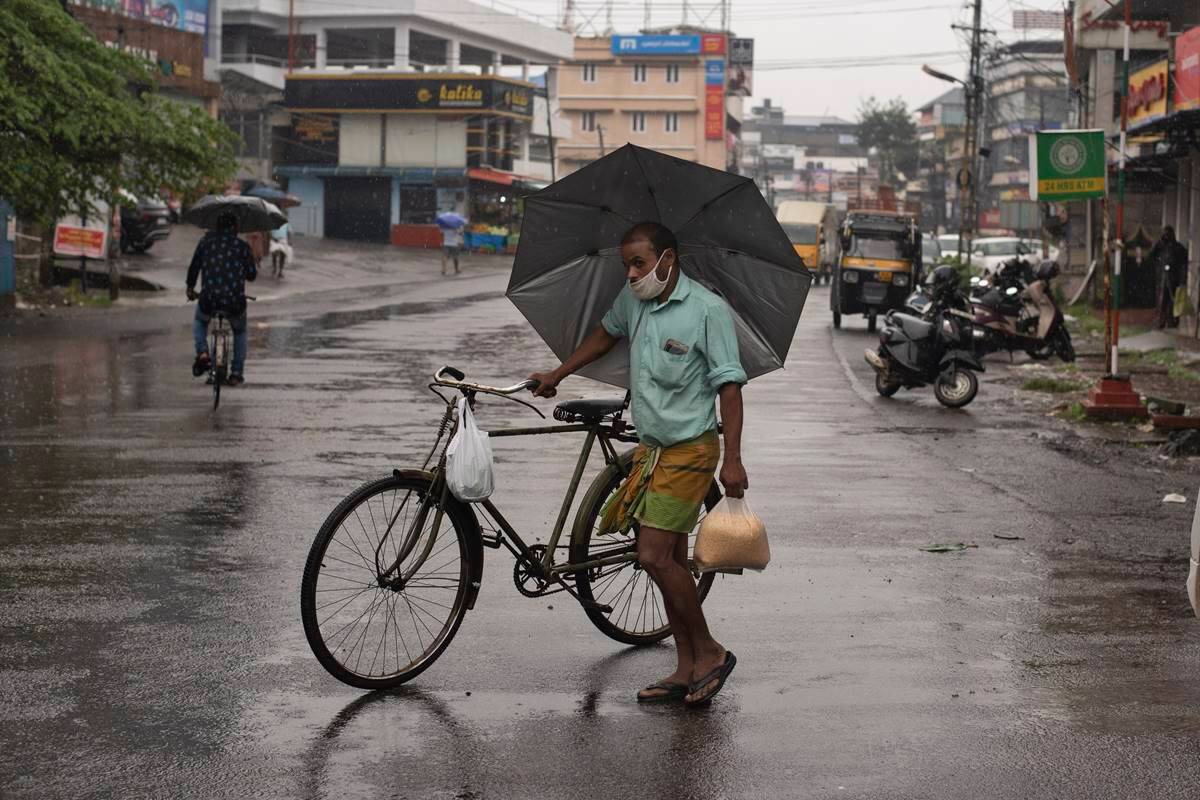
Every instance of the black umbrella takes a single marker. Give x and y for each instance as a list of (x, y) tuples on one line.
[(253, 213), (568, 267)]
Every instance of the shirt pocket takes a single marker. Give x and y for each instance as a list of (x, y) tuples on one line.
[(673, 371)]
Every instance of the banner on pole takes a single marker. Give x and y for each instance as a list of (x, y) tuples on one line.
[(1067, 165)]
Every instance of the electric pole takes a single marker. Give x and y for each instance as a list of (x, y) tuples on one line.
[(600, 131), (970, 210)]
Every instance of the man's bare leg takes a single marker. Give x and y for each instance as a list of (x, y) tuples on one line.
[(658, 552)]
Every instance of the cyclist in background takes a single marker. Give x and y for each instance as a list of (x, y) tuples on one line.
[(226, 263)]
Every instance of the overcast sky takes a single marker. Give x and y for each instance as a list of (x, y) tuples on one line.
[(806, 50)]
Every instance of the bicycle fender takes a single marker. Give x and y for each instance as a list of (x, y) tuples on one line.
[(474, 533)]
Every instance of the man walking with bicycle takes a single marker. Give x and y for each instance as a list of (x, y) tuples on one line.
[(226, 263), (683, 357)]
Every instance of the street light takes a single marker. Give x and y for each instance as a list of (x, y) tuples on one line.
[(965, 180)]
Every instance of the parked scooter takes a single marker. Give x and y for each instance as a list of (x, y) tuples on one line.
[(935, 348), (1015, 310)]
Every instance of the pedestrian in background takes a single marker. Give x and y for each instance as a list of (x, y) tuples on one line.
[(1170, 259), (452, 240)]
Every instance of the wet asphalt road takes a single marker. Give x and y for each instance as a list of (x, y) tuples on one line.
[(151, 552)]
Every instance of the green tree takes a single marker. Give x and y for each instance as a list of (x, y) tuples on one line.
[(890, 130), (79, 121)]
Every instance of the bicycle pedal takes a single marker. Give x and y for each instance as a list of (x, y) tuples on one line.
[(593, 606)]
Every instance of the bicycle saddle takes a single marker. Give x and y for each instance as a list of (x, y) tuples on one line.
[(587, 410)]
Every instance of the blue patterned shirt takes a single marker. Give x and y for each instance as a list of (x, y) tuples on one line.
[(227, 263)]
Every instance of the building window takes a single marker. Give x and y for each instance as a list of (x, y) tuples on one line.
[(588, 120), (672, 73), (638, 119), (639, 73), (672, 121), (589, 73)]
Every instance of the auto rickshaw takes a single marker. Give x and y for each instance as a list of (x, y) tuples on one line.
[(879, 265)]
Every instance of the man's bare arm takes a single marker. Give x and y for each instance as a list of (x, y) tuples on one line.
[(598, 342), (733, 474)]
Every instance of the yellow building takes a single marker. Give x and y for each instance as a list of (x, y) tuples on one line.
[(665, 92)]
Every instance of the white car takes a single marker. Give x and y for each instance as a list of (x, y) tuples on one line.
[(989, 253), (948, 242)]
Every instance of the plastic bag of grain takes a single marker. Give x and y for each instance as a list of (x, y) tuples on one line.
[(732, 537)]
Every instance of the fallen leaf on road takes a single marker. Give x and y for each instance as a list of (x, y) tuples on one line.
[(1174, 498), (946, 548), (1007, 538), (966, 469)]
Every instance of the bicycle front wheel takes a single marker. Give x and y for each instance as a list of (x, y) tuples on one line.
[(638, 616), (372, 635)]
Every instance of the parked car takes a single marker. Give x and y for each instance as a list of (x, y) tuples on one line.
[(144, 221), (989, 253), (931, 251), (948, 243)]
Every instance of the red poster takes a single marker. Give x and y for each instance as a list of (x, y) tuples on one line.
[(714, 112), (72, 240), (1187, 70), (712, 44)]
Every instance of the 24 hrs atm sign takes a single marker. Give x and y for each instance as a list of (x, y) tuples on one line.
[(1067, 165)]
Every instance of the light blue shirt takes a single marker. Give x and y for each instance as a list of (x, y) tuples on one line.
[(682, 352)]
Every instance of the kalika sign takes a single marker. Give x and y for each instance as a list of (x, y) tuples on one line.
[(1067, 165), (1187, 71)]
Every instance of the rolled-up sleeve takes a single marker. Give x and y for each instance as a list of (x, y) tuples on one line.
[(721, 349), (616, 321)]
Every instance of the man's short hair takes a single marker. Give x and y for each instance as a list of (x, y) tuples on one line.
[(661, 237), (227, 221)]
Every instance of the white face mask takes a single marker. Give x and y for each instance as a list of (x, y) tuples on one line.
[(648, 287)]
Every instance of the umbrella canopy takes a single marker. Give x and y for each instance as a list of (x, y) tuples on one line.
[(253, 213), (273, 195), (568, 267), (450, 220)]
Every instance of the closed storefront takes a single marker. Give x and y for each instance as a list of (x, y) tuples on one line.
[(358, 208)]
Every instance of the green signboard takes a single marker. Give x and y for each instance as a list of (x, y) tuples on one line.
[(1067, 165)]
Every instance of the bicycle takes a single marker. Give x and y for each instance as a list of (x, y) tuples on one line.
[(362, 586), (218, 352)]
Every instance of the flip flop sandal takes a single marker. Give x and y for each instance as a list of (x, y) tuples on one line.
[(674, 692), (720, 675)]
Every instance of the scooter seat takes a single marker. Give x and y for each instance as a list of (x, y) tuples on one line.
[(912, 327)]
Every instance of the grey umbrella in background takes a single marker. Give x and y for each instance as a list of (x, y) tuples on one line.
[(253, 213), (568, 267)]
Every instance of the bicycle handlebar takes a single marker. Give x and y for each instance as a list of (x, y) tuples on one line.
[(457, 380)]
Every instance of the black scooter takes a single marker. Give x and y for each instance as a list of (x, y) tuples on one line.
[(934, 348)]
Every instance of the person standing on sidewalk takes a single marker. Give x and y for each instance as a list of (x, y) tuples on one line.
[(226, 263), (683, 357), (1170, 260)]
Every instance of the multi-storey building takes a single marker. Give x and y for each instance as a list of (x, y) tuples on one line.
[(662, 91), (940, 125), (396, 111)]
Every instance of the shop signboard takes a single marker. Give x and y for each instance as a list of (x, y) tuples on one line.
[(74, 239), (408, 93), (714, 99), (313, 139), (741, 67), (1187, 71), (1067, 165), (1148, 94)]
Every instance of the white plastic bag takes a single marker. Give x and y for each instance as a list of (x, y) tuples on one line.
[(469, 459), (732, 537)]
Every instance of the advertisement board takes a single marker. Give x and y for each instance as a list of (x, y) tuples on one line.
[(1187, 71), (80, 240), (714, 98), (1067, 165), (182, 15), (1148, 94), (741, 67), (669, 44), (313, 139)]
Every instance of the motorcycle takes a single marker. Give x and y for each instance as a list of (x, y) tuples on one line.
[(1015, 310), (935, 348)]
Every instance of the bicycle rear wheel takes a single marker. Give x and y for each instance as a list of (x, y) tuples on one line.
[(218, 366), (638, 616), (372, 636)]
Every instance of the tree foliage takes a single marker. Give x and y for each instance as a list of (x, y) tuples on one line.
[(79, 121), (889, 129)]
